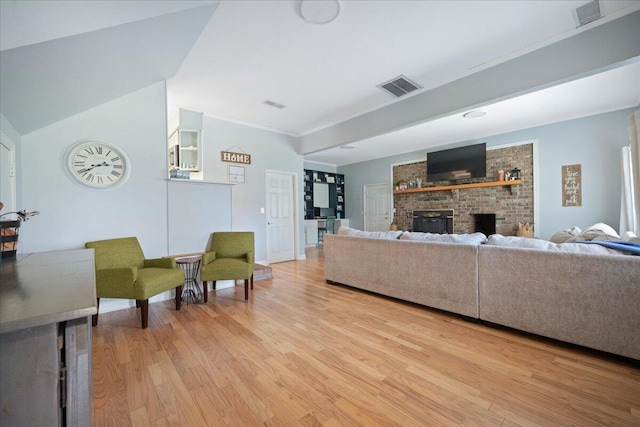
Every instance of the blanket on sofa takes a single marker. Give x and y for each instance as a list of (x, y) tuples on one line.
[(629, 247)]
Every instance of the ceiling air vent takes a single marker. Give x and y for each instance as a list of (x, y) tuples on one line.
[(587, 13), (274, 104), (399, 86)]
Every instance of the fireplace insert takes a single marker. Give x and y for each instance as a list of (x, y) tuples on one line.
[(433, 221)]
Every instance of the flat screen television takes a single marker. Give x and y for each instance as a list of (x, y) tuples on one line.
[(457, 163)]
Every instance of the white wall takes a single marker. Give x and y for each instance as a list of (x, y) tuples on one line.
[(269, 151), (70, 214)]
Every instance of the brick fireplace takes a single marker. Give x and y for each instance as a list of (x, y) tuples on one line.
[(509, 205)]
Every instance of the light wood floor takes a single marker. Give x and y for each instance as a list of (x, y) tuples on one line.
[(304, 353)]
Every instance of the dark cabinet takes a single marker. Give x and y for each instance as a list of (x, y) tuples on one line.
[(46, 300), (335, 193)]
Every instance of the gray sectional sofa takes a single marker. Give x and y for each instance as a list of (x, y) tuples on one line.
[(588, 296)]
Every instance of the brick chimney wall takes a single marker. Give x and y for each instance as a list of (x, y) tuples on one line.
[(509, 208)]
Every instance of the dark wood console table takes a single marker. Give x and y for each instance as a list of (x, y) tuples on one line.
[(46, 302)]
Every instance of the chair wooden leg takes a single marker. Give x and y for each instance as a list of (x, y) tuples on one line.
[(246, 289), (178, 297), (205, 291), (137, 303), (252, 281), (94, 318), (144, 313)]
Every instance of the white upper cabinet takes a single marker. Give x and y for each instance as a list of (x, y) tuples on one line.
[(185, 149)]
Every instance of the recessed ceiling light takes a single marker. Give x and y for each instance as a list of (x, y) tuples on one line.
[(319, 12), (474, 114), (348, 147)]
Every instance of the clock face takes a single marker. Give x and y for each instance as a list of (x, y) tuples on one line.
[(97, 165)]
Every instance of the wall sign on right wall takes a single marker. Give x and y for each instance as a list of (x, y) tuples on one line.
[(572, 185)]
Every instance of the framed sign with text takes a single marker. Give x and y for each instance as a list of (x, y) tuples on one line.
[(231, 157), (572, 185)]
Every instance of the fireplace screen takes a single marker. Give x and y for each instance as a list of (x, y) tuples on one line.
[(433, 221)]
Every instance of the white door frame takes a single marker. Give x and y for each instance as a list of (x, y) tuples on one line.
[(7, 143), (295, 207)]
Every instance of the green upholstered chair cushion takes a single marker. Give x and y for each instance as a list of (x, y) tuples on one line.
[(232, 244), (231, 256), (117, 253), (227, 269), (122, 271)]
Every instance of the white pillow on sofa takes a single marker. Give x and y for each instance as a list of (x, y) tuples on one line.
[(385, 235), (527, 242), (470, 239)]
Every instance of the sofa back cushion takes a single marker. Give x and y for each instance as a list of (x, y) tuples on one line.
[(385, 235), (469, 239), (525, 242)]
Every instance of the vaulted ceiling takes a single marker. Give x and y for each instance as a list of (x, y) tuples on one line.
[(227, 58)]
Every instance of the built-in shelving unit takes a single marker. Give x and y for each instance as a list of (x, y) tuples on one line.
[(185, 149), (461, 186), (336, 193)]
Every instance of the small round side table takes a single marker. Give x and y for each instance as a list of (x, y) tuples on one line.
[(191, 289)]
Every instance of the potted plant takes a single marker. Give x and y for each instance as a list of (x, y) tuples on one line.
[(9, 231)]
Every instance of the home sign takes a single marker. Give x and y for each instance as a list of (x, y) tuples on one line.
[(231, 157)]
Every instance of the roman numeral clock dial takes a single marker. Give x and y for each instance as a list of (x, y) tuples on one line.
[(97, 165)]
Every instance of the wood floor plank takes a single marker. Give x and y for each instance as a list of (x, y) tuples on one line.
[(301, 352)]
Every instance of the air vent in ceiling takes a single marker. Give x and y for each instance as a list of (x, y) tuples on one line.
[(587, 13), (274, 104), (399, 86)]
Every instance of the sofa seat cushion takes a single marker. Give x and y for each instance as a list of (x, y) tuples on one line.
[(385, 235), (470, 239), (526, 242)]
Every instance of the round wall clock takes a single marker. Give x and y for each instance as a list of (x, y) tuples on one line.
[(97, 165)]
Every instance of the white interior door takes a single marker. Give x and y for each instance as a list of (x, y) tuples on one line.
[(280, 216), (376, 207), (7, 176)]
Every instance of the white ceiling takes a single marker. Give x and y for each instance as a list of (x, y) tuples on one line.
[(226, 61), (324, 74)]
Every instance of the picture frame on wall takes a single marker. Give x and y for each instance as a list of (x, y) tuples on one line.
[(331, 180), (236, 174), (572, 185)]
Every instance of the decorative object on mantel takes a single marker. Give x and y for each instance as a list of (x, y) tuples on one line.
[(9, 231), (516, 173), (235, 157), (571, 185)]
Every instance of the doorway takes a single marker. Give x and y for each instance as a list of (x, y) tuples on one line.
[(280, 216), (376, 207), (7, 175)]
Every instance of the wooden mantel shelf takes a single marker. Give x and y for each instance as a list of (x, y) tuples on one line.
[(461, 186)]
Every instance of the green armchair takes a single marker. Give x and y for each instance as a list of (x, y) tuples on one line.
[(123, 272), (230, 257)]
